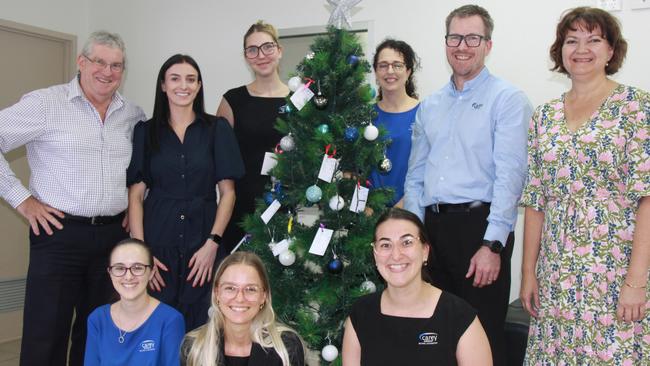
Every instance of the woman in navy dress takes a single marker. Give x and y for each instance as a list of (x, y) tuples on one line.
[(179, 156)]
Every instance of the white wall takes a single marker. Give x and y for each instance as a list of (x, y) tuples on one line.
[(212, 30)]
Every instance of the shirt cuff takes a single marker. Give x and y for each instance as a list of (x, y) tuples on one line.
[(497, 232), (17, 195)]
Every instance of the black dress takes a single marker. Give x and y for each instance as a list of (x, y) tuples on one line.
[(392, 340), (254, 128), (180, 206)]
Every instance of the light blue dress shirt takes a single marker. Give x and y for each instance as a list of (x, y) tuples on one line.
[(470, 145)]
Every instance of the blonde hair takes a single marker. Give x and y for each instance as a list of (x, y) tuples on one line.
[(265, 330), (261, 26)]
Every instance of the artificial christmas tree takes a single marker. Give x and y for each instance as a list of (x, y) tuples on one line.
[(318, 270)]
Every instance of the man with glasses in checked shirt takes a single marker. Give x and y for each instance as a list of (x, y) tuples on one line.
[(78, 139), (466, 173)]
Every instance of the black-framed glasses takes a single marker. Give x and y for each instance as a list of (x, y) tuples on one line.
[(267, 48), (471, 40), (397, 66), (115, 66), (251, 292), (137, 269), (384, 247)]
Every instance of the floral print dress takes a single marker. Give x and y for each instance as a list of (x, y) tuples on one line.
[(588, 184)]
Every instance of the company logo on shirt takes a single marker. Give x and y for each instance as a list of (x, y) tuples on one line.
[(428, 339), (477, 105), (148, 346)]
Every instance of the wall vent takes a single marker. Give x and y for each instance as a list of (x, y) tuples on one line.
[(12, 294)]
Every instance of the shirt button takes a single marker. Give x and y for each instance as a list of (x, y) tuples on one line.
[(182, 156), (182, 217), (180, 236), (182, 176)]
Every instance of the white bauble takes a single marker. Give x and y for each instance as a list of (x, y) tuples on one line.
[(287, 257), (371, 132), (329, 353), (337, 203), (368, 286), (294, 83)]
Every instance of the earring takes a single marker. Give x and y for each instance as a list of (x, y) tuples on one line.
[(262, 305), (424, 264)]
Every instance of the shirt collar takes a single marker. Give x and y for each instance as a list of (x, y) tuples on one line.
[(75, 91), (469, 85)]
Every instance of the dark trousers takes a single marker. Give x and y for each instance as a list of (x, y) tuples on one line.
[(67, 273), (455, 238)]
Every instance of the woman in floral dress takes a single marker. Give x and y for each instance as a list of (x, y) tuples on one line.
[(587, 226)]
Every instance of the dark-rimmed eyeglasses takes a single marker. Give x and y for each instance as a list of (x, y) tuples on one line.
[(251, 292), (137, 269), (384, 247), (267, 49), (471, 40), (115, 66), (397, 66)]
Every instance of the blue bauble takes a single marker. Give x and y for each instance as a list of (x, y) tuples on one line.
[(268, 198), (353, 59), (323, 128), (314, 194), (335, 266), (351, 134)]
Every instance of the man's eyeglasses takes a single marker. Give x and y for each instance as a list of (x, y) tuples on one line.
[(397, 66), (384, 247), (137, 269), (229, 291), (471, 40), (115, 67), (267, 49)]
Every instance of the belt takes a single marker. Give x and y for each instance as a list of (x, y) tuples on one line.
[(95, 220), (438, 208)]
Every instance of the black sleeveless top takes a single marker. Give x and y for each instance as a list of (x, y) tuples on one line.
[(392, 340)]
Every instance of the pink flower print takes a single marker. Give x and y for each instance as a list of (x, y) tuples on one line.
[(587, 316), (577, 186), (555, 312), (616, 252), (578, 333), (598, 268), (638, 186), (606, 157), (591, 213), (620, 96), (631, 107), (605, 355), (619, 141), (625, 334), (563, 172), (549, 156), (646, 339), (579, 295), (564, 138), (582, 157), (567, 315), (611, 275), (568, 283), (644, 167), (599, 338), (558, 116), (606, 320), (611, 206), (535, 182), (558, 106), (640, 117), (546, 176), (641, 134), (583, 250), (625, 234), (609, 123), (588, 138), (628, 362), (602, 286), (601, 230), (589, 278), (602, 194)]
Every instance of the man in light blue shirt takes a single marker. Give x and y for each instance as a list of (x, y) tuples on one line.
[(466, 173)]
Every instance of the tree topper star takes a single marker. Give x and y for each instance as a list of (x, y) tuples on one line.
[(340, 17)]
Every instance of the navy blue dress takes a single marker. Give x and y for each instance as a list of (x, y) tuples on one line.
[(180, 206)]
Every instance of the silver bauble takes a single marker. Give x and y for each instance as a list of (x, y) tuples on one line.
[(385, 165), (287, 143)]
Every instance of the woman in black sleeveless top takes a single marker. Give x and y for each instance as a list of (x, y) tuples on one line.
[(411, 322)]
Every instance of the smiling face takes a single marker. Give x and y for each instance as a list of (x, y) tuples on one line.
[(467, 62), (128, 286), (388, 78), (263, 65), (585, 53), (402, 266), (240, 294), (100, 83), (181, 85)]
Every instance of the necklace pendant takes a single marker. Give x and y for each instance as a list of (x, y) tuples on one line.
[(120, 339)]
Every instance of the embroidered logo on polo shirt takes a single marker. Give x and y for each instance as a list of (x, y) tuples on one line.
[(428, 339), (477, 105), (147, 346)]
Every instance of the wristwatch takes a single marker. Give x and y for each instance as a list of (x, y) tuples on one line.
[(494, 245), (215, 238)]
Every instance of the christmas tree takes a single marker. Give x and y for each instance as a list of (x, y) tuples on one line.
[(323, 163)]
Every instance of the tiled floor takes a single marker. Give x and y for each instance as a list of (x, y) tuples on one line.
[(9, 352)]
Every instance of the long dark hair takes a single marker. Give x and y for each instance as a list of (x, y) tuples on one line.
[(160, 116), (411, 61)]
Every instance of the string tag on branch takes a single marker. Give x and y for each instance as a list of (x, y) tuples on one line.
[(302, 95), (359, 198), (270, 211), (328, 166), (321, 241)]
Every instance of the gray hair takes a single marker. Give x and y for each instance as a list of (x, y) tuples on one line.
[(101, 37), (466, 11)]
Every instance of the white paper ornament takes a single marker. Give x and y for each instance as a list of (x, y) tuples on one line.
[(337, 203), (371, 132), (368, 287), (287, 258), (294, 83), (329, 353)]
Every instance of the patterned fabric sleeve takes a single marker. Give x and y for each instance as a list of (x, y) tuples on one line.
[(533, 194), (637, 112)]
